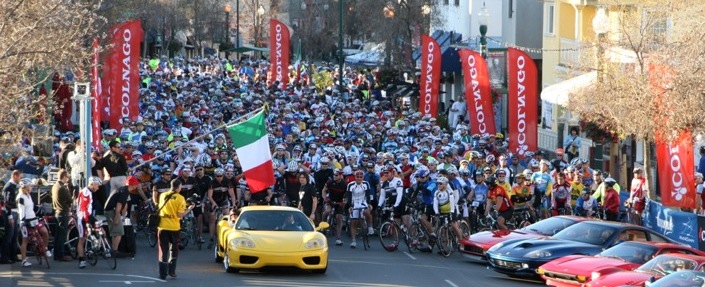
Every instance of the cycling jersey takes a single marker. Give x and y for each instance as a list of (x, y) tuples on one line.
[(543, 182), (522, 195), (188, 186), (220, 191), (25, 207), (391, 193), (499, 191), (162, 186), (561, 194), (576, 189), (444, 201), (480, 193), (336, 190), (358, 192), (85, 204)]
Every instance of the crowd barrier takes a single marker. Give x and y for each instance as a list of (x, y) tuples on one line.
[(683, 227)]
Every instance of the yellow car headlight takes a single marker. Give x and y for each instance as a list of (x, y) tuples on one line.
[(315, 244), (242, 243)]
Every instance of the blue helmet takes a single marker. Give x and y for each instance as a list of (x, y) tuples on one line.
[(422, 173)]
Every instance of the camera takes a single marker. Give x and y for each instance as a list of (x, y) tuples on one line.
[(194, 199)]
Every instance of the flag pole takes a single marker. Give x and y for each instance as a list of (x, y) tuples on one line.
[(232, 122)]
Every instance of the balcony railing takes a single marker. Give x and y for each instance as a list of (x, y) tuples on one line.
[(570, 53)]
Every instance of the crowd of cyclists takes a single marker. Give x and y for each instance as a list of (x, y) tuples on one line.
[(336, 154)]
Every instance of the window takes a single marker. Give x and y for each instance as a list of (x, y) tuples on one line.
[(446, 2), (457, 2), (549, 17)]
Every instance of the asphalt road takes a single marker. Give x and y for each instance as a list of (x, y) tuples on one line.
[(347, 268)]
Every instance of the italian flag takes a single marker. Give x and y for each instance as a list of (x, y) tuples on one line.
[(252, 145)]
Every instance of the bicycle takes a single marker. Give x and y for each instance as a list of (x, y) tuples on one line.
[(390, 232), (189, 232), (331, 218), (447, 240), (521, 218), (36, 242), (146, 208), (97, 244), (363, 227), (417, 234)]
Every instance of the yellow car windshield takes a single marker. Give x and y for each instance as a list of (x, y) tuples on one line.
[(273, 220)]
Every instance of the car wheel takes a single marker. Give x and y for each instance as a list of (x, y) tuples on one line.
[(218, 258), (226, 263)]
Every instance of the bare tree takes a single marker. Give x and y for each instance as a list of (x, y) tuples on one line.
[(651, 40), (36, 39)]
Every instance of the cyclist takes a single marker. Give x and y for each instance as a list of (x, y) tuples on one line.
[(334, 192), (391, 194), (502, 204), (638, 193), (478, 193), (423, 191), (220, 190), (85, 208), (560, 195), (445, 202), (357, 198), (26, 215), (576, 187), (501, 176), (522, 194), (586, 204), (543, 183), (163, 184), (188, 187), (611, 200)]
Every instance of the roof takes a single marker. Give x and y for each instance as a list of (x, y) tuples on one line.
[(268, 207)]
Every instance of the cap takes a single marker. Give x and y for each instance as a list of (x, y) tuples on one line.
[(559, 151), (132, 181)]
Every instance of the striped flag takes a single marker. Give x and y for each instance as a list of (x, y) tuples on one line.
[(251, 142)]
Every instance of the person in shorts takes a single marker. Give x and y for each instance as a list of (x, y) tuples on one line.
[(116, 208)]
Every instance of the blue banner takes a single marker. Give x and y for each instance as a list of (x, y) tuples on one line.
[(677, 225)]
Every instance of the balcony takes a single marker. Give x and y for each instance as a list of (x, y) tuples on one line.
[(570, 53)]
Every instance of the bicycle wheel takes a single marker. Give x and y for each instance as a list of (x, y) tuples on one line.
[(91, 256), (389, 236), (464, 228), (445, 244), (184, 238), (70, 247), (152, 237), (363, 231), (40, 249), (417, 237)]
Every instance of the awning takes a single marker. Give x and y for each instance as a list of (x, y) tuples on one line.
[(245, 49), (560, 93)]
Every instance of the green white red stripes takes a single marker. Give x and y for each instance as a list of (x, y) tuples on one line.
[(252, 145)]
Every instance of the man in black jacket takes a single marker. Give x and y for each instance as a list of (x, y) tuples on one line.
[(115, 165)]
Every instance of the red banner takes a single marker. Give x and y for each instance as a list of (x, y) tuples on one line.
[(123, 62), (279, 50), (676, 172), (95, 104), (522, 102), (478, 94), (430, 76)]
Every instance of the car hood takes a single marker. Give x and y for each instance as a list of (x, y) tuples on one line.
[(487, 239), (631, 278), (280, 241), (557, 247), (585, 265)]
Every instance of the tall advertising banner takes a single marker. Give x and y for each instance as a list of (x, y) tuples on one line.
[(97, 98), (123, 61), (430, 76), (676, 165), (279, 51), (523, 102), (478, 94)]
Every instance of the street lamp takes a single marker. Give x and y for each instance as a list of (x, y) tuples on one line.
[(483, 20), (340, 49), (227, 29), (601, 26), (258, 28)]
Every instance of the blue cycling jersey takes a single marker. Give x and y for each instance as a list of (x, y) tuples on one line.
[(480, 192), (430, 188), (542, 180)]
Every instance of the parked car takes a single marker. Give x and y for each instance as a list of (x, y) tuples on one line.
[(477, 244), (521, 257), (650, 272), (576, 270)]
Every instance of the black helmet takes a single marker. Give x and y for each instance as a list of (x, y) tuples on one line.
[(491, 181)]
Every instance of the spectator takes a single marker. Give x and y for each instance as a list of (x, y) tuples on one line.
[(571, 144), (116, 210), (114, 165), (173, 208), (62, 200), (9, 192)]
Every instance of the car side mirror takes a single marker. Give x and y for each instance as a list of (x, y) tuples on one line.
[(322, 226)]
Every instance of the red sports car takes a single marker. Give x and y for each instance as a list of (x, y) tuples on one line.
[(656, 268), (477, 244), (576, 270)]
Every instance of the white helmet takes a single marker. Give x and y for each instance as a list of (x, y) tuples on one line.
[(95, 180)]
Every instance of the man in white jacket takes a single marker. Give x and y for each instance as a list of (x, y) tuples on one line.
[(77, 160)]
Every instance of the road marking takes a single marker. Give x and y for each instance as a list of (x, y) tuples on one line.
[(410, 256), (10, 273), (451, 283), (126, 282)]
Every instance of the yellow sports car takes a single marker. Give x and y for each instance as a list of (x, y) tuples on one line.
[(271, 236)]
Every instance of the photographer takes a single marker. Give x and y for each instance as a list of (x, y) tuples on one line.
[(168, 233)]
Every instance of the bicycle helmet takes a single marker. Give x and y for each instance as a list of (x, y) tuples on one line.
[(610, 181), (490, 158), (25, 182), (491, 181), (422, 172), (575, 161), (293, 166), (95, 180), (359, 173), (441, 179), (338, 171), (219, 171)]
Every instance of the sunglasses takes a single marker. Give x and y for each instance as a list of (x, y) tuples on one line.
[(359, 177), (441, 183), (218, 176), (199, 169)]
